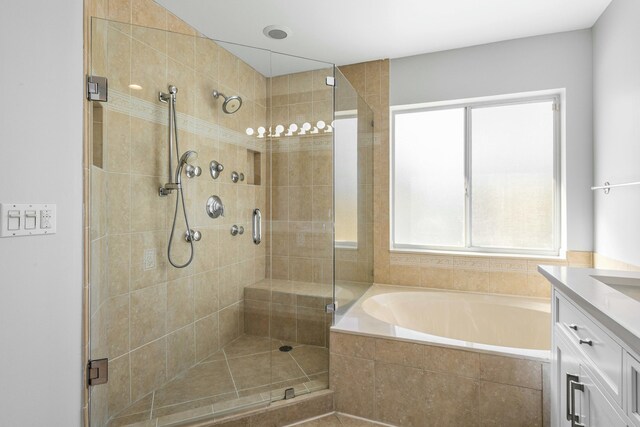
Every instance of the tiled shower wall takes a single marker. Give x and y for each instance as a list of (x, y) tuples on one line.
[(301, 176), (153, 320), (470, 273)]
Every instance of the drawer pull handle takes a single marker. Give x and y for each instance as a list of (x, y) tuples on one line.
[(586, 341), (573, 326)]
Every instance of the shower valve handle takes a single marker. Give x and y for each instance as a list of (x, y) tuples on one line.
[(215, 168)]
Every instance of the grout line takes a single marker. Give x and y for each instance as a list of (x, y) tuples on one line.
[(153, 401), (230, 373), (303, 371)]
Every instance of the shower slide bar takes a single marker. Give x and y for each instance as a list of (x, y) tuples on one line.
[(607, 186)]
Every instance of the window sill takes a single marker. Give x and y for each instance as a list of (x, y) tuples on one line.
[(561, 257)]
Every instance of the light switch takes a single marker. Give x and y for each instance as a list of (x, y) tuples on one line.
[(30, 220), (13, 220), (27, 219)]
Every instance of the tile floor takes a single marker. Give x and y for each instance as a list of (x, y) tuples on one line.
[(337, 420), (248, 371)]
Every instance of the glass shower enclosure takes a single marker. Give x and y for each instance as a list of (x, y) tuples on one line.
[(212, 253)]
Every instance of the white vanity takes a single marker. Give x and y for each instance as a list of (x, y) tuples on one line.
[(595, 369)]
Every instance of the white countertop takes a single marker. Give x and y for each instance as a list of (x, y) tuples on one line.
[(615, 310)]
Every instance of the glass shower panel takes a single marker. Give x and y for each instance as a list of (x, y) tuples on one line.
[(300, 267), (176, 338), (353, 167)]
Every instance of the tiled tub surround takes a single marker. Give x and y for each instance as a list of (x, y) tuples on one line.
[(154, 322), (390, 373)]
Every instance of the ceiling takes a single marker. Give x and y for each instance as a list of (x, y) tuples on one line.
[(352, 31)]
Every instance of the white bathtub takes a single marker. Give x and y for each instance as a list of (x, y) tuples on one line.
[(489, 323)]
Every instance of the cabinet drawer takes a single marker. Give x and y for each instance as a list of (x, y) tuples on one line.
[(603, 353)]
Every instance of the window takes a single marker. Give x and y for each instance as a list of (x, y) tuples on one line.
[(346, 176), (477, 177)]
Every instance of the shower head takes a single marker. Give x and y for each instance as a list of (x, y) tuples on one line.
[(188, 157), (231, 104)]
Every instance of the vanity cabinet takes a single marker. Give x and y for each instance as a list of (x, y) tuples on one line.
[(595, 379)]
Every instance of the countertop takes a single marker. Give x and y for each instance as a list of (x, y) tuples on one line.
[(613, 309)]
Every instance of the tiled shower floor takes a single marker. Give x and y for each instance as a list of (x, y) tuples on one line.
[(248, 371)]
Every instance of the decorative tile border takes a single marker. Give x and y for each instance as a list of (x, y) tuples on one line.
[(495, 264), (142, 109)]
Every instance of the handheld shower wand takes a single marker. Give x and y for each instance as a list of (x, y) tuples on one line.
[(175, 181)]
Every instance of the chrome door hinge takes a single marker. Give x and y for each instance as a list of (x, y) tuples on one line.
[(330, 81), (98, 371), (555, 107), (97, 89), (331, 308)]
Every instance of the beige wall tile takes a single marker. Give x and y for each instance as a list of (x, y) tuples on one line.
[(181, 350), (148, 368), (509, 405), (352, 379), (207, 341), (310, 326), (118, 326), (119, 10), (399, 353), (119, 384), (148, 314), (509, 370), (353, 345), (457, 362), (118, 203), (229, 324), (399, 395), (283, 322), (205, 293), (140, 242), (450, 400), (148, 14), (180, 303)]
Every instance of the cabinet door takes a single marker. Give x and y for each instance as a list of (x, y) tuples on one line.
[(633, 389), (568, 368), (594, 409)]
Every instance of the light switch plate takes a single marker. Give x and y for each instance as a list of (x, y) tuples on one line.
[(45, 219)]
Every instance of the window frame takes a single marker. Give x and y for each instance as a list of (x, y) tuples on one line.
[(468, 105)]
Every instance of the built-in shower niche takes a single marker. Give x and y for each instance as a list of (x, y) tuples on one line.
[(253, 172)]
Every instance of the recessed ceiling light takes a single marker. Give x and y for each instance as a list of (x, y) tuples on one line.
[(276, 32)]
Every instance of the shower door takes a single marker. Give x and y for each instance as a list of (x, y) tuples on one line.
[(242, 324)]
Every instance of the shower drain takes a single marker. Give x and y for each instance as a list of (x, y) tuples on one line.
[(286, 348)]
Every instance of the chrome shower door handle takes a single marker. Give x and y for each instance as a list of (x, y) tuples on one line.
[(257, 226)]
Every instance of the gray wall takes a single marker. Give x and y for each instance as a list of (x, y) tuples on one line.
[(553, 61), (41, 162), (616, 114)]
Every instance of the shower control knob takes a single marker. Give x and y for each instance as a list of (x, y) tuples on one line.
[(235, 176), (215, 168), (194, 235), (234, 230), (241, 176), (193, 171), (240, 230)]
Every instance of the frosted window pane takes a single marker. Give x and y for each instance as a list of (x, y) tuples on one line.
[(512, 176), (429, 178), (346, 179)]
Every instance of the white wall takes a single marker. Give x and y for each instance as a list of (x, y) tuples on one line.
[(41, 161), (553, 61), (616, 83)]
